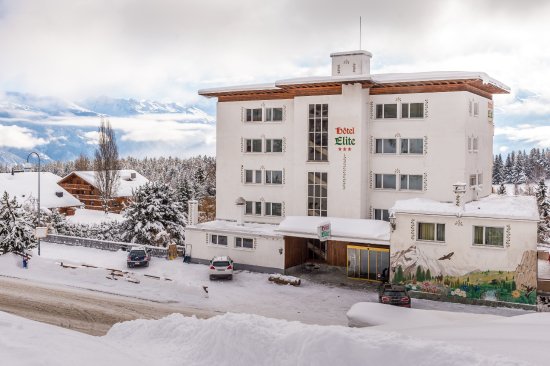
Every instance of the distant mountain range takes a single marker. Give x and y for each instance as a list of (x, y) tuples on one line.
[(61, 129)]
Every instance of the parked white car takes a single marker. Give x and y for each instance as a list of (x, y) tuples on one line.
[(221, 267)]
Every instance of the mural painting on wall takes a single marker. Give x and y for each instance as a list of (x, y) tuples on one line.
[(443, 276)]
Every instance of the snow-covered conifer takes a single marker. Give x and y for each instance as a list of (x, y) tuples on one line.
[(154, 216), (16, 228)]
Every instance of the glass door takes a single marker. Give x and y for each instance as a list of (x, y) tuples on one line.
[(368, 263)]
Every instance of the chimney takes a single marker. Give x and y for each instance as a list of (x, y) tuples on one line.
[(241, 204), (353, 63), (193, 215)]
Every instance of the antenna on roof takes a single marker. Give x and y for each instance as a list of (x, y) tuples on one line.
[(359, 32)]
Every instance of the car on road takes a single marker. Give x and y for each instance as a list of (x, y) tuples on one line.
[(394, 295), (221, 267), (139, 256)]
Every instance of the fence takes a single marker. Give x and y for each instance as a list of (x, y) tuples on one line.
[(102, 244)]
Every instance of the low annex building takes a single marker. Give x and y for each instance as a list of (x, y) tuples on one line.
[(24, 186), (82, 184), (337, 170)]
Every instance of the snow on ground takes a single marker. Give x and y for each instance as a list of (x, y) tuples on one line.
[(246, 293), (523, 337), (93, 217), (245, 339)]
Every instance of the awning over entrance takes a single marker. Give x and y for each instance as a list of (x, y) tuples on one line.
[(351, 230)]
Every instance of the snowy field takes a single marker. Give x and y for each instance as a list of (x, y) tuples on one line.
[(244, 339), (247, 293)]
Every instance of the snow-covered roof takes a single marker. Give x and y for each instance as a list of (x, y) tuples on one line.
[(359, 230), (24, 185), (389, 78), (233, 227), (126, 184), (493, 206)]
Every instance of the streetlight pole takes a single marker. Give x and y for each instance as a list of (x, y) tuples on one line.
[(38, 210)]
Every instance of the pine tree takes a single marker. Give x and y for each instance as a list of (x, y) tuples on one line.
[(498, 168), (544, 212), (185, 192), (507, 170), (154, 216), (16, 229)]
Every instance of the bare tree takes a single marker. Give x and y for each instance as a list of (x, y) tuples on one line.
[(82, 163), (106, 164)]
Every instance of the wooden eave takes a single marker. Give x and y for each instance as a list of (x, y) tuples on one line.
[(289, 91), (474, 86)]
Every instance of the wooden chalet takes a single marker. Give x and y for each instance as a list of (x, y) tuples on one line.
[(82, 185)]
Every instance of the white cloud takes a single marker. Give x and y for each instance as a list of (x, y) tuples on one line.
[(170, 48), (537, 135), (18, 137), (503, 149)]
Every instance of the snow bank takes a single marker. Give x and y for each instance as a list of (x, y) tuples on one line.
[(231, 339), (254, 340), (522, 337), (366, 314)]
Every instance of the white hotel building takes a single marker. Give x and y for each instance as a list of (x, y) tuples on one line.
[(343, 149)]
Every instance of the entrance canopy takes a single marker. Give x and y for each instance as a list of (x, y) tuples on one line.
[(351, 230)]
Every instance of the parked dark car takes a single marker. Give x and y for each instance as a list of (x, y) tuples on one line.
[(394, 295), (139, 256)]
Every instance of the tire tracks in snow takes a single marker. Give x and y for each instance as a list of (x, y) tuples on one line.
[(85, 311)]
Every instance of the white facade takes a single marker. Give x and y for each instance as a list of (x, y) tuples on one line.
[(445, 130), (345, 146)]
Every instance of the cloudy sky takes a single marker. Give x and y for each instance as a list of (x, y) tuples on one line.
[(167, 49)]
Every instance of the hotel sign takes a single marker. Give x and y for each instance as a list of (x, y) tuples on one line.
[(345, 138), (323, 231)]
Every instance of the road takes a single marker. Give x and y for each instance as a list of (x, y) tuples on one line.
[(81, 310)]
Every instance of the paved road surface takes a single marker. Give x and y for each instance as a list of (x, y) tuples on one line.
[(82, 310)]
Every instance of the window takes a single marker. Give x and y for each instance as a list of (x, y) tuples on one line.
[(474, 144), (244, 243), (317, 194), (273, 145), (412, 146), (480, 178), (273, 177), (253, 145), (253, 208), (318, 132), (252, 176), (273, 114), (490, 236), (476, 109), (386, 146), (412, 110), (411, 182), (386, 110), (381, 214), (254, 115), (385, 181), (273, 209), (431, 232), (473, 180), (469, 144), (218, 239)]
